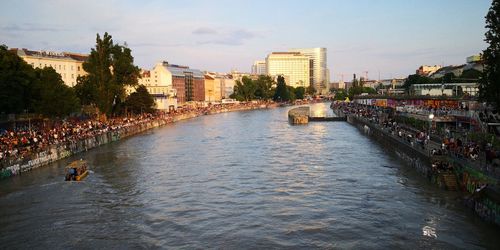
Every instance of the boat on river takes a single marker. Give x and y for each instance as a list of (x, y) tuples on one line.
[(76, 171)]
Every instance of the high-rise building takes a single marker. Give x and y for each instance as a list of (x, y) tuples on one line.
[(319, 72), (293, 65), (66, 64), (259, 68)]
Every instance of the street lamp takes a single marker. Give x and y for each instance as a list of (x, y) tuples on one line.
[(431, 116)]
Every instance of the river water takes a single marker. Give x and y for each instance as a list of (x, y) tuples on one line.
[(237, 181)]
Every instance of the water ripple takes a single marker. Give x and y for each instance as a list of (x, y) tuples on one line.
[(245, 180)]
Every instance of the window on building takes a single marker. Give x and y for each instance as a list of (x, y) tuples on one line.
[(59, 67), (78, 68), (71, 67), (72, 76)]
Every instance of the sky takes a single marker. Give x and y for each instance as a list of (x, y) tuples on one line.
[(390, 38)]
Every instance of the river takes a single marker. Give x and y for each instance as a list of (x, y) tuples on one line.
[(236, 181)]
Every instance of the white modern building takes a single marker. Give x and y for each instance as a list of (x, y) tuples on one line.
[(319, 73), (294, 66), (259, 68), (448, 89)]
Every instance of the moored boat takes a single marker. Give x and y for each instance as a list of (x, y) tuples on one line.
[(76, 171)]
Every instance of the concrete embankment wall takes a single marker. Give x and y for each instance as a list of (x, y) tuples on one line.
[(56, 152), (298, 116), (418, 159)]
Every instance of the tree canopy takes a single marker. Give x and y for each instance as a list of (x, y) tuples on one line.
[(248, 89), (140, 101), (110, 68), (311, 90), (415, 79), (53, 98), (300, 92), (16, 79), (25, 89), (282, 93), (244, 90), (264, 87), (489, 85)]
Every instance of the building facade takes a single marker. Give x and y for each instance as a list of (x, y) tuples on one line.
[(293, 65), (164, 95), (189, 83), (259, 68), (448, 89), (213, 86), (426, 70), (66, 64), (319, 74)]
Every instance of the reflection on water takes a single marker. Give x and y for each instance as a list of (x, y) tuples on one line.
[(238, 180), (430, 228), (321, 111)]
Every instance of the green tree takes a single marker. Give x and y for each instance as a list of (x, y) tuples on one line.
[(489, 85), (16, 78), (415, 79), (110, 68), (244, 90), (380, 86), (140, 101), (86, 90), (368, 90), (470, 75), (311, 90), (300, 92), (355, 82), (52, 97), (281, 93), (448, 77), (264, 87), (340, 94), (291, 93)]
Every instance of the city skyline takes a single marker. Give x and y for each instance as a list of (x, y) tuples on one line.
[(390, 37)]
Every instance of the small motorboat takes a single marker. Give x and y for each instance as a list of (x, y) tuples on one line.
[(76, 171)]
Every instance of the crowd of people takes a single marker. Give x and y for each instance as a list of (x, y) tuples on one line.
[(453, 146), (37, 136), (380, 117)]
